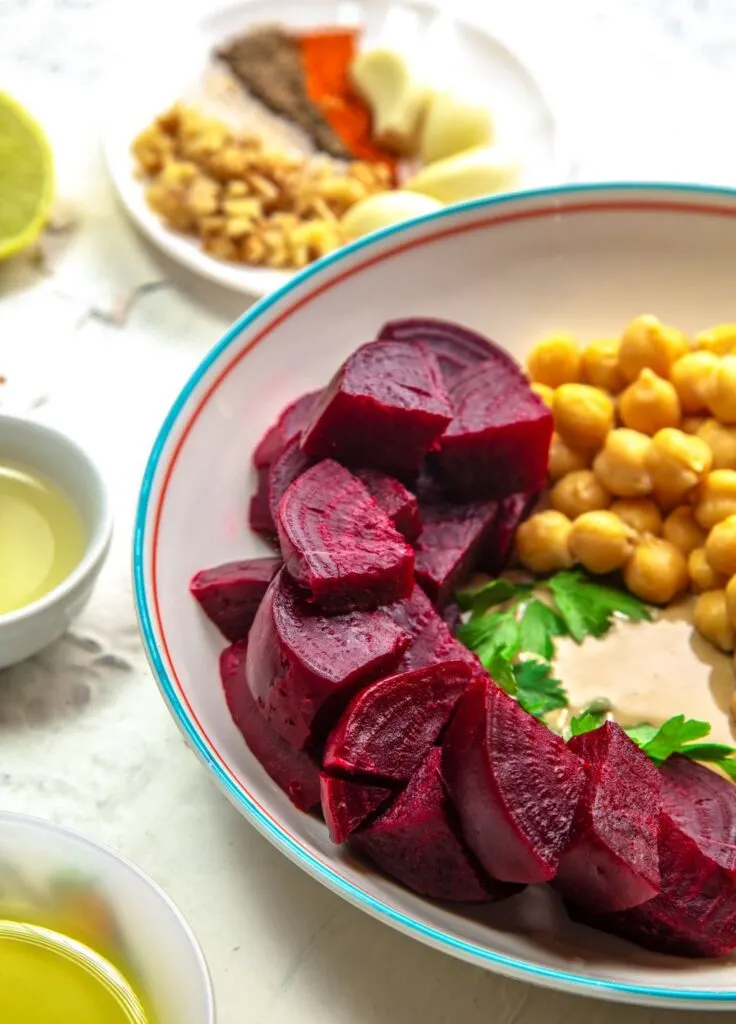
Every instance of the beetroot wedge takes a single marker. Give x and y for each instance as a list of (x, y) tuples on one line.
[(703, 804), (387, 728), (290, 424), (259, 514), (346, 804), (416, 842), (290, 769), (514, 782), (385, 408), (304, 666), (611, 861), (498, 442), (512, 511), (431, 640), (400, 505), (455, 347), (287, 467), (339, 545), (230, 594)]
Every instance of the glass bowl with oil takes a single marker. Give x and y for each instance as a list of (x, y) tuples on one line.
[(86, 938), (55, 531)]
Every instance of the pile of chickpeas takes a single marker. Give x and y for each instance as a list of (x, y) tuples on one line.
[(642, 467)]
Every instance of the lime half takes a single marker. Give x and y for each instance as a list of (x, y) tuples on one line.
[(26, 177)]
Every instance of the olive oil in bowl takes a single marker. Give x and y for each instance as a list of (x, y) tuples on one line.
[(42, 537), (48, 978)]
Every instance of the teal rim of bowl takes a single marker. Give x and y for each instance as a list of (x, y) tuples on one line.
[(520, 969)]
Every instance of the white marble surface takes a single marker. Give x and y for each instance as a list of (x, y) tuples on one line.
[(84, 737)]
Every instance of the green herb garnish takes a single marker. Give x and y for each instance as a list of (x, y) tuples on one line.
[(588, 608), (537, 690)]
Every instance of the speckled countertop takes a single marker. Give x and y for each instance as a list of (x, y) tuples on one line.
[(84, 736)]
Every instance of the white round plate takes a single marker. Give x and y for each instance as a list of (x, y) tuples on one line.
[(448, 50), (583, 259)]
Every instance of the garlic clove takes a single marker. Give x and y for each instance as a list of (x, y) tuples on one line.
[(482, 171), (382, 78), (452, 126), (383, 209)]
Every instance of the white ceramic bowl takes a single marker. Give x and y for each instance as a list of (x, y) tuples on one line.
[(53, 877), (56, 457), (585, 259)]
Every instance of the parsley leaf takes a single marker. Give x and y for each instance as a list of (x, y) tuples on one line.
[(673, 737), (489, 635), (588, 608), (586, 721), (536, 688), (707, 751), (539, 624), (492, 593), (501, 671)]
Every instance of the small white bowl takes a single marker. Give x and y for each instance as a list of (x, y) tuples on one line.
[(55, 878), (46, 451)]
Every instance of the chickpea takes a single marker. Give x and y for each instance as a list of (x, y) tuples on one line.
[(656, 571), (554, 361), (702, 577), (601, 541), (720, 339), (641, 514), (690, 376), (721, 441), (680, 529), (677, 463), (692, 424), (542, 542), (583, 415), (647, 343), (563, 459), (731, 601), (600, 365), (579, 492), (716, 498), (649, 404), (720, 392), (720, 547), (543, 391), (621, 467), (710, 618)]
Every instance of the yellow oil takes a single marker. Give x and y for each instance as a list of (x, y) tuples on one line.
[(48, 978), (41, 537)]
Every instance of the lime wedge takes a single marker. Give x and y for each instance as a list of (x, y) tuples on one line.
[(26, 177)]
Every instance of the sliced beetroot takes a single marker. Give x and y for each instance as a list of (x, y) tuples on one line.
[(339, 545), (303, 666), (231, 593), (416, 842), (453, 540), (346, 804), (287, 467), (512, 512), (431, 640), (290, 424), (455, 347), (703, 804), (498, 442), (387, 728), (514, 782), (399, 504), (259, 514), (385, 408), (694, 914), (611, 861), (290, 769)]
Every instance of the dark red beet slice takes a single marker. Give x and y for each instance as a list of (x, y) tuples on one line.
[(385, 408), (431, 640), (512, 511), (339, 545), (399, 504), (703, 804), (514, 783), (387, 728), (304, 666), (231, 593), (450, 546), (259, 514), (455, 347), (287, 467), (290, 769), (290, 424), (498, 441), (611, 861), (695, 913), (346, 804), (416, 842)]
